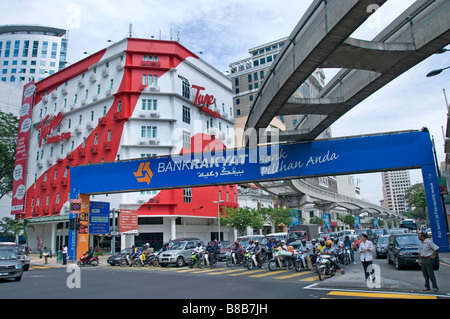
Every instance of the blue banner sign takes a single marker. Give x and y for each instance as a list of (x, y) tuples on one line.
[(406, 150), (98, 218)]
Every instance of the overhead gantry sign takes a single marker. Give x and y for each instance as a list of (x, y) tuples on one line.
[(403, 150)]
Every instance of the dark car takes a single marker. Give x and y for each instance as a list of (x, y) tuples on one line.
[(381, 246), (20, 252), (10, 265), (243, 241), (403, 250), (116, 258)]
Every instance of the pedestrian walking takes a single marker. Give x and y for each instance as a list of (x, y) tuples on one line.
[(64, 254), (427, 252), (366, 248)]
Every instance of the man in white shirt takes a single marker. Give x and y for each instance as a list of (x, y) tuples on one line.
[(427, 252), (366, 248)]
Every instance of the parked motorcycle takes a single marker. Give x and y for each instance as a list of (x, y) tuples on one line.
[(325, 266), (194, 261), (284, 259), (93, 261)]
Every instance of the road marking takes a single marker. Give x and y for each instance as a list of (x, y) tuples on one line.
[(227, 272), (267, 273), (312, 278), (379, 295), (292, 275), (246, 272)]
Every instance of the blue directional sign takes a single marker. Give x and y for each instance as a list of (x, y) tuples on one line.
[(406, 150), (98, 218)]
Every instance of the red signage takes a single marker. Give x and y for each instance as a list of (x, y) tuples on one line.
[(23, 140), (204, 101), (47, 129), (128, 221)]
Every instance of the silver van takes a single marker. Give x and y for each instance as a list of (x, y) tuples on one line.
[(179, 252)]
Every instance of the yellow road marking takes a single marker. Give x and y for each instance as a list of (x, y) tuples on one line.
[(245, 272), (312, 278), (379, 295), (292, 275), (227, 272), (267, 273)]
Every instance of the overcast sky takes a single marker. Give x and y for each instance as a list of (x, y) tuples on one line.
[(224, 31)]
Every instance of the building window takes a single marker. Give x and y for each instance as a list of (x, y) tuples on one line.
[(149, 105), (187, 195), (186, 90), (186, 140), (149, 131), (148, 79), (186, 115)]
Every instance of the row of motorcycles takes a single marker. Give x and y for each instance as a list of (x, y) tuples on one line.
[(140, 260), (324, 264)]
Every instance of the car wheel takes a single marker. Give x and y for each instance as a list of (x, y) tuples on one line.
[(180, 261), (18, 278), (164, 265), (25, 268)]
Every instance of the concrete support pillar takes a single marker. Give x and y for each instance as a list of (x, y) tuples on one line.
[(173, 228), (53, 239)]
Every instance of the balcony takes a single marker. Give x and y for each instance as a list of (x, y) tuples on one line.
[(107, 146), (118, 116), (70, 156), (102, 121), (93, 149), (65, 181), (43, 186), (82, 152)]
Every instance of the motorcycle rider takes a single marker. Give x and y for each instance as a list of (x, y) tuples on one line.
[(321, 245), (213, 250), (270, 245), (282, 247), (133, 252), (349, 244), (238, 252), (257, 251), (199, 251), (330, 250), (305, 248), (314, 247)]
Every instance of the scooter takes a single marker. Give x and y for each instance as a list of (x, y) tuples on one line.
[(347, 256), (325, 266), (194, 261), (127, 261), (93, 261), (232, 260), (142, 260), (282, 259), (252, 262), (299, 263)]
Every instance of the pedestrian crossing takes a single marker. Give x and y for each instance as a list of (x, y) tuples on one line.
[(283, 274)]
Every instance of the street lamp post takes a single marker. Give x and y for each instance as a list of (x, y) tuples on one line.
[(218, 213), (436, 72)]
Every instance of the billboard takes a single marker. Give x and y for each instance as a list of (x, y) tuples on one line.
[(128, 221), (98, 218), (23, 140), (374, 153)]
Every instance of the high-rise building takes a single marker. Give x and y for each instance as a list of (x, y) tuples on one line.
[(248, 75), (136, 98), (30, 52), (395, 184)]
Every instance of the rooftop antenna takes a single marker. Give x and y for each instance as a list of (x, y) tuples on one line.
[(178, 36), (130, 30)]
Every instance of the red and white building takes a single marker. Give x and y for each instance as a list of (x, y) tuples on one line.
[(136, 98)]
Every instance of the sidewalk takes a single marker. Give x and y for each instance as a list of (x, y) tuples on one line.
[(354, 278), (36, 261)]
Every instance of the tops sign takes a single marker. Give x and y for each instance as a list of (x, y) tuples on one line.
[(204, 101), (47, 129)]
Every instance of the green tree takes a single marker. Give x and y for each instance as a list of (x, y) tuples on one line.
[(278, 216), (241, 218), (415, 197), (317, 221), (8, 140)]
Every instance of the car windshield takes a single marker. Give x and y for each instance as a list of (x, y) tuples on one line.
[(383, 240), (408, 240), (7, 254), (177, 245)]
